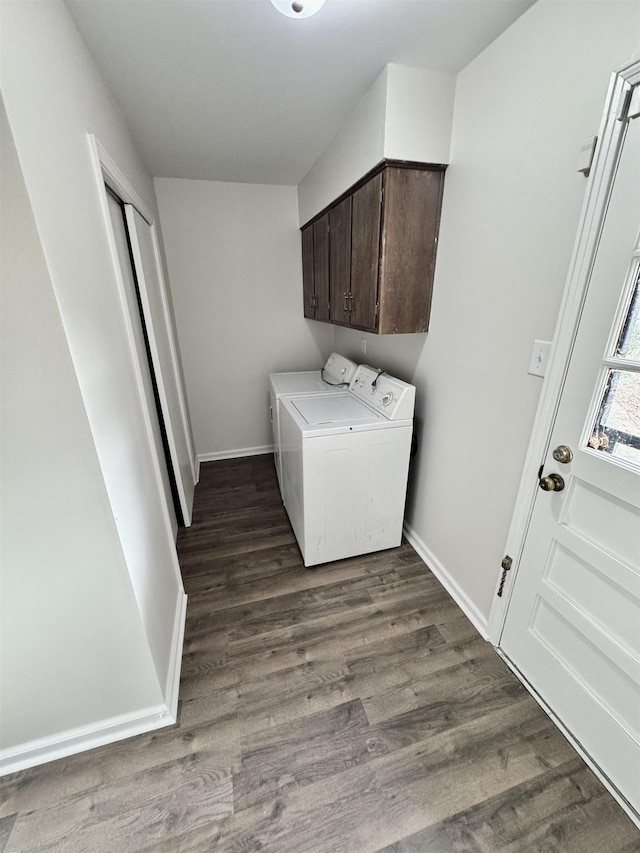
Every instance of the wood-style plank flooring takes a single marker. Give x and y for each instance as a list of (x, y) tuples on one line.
[(351, 707)]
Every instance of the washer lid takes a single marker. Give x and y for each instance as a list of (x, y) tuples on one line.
[(334, 409), (302, 382)]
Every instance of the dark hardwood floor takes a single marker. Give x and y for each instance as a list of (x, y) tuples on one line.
[(351, 707)]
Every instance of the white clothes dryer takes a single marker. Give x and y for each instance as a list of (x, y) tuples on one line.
[(345, 464), (334, 377)]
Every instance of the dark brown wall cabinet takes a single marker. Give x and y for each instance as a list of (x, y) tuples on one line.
[(368, 260), (315, 269)]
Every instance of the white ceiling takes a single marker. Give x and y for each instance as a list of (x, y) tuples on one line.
[(232, 90)]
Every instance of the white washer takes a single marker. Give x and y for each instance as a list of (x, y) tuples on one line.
[(335, 376), (345, 463)]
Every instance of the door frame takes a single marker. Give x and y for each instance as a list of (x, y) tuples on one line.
[(598, 191), (107, 172)]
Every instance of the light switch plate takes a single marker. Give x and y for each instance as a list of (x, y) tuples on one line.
[(539, 358)]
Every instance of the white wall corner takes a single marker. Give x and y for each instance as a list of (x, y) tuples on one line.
[(419, 114), (102, 732), (477, 619), (72, 741), (238, 453), (172, 684), (406, 114), (357, 147)]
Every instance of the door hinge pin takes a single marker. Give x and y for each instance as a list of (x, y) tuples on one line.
[(506, 564)]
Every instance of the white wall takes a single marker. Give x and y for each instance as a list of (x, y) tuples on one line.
[(405, 115), (72, 644), (511, 206), (356, 148), (54, 96), (234, 258), (419, 114)]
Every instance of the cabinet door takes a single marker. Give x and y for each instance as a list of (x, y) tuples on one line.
[(412, 202), (307, 272), (321, 266), (340, 260), (365, 252)]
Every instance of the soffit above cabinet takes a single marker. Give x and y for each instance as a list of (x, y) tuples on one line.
[(407, 114)]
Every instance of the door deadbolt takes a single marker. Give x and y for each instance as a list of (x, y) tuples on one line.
[(551, 483), (563, 454)]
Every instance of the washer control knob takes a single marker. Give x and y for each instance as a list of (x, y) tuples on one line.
[(386, 399)]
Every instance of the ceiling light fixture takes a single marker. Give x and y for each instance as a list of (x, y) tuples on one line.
[(298, 8)]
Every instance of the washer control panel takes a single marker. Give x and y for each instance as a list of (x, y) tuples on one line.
[(389, 396), (339, 369)]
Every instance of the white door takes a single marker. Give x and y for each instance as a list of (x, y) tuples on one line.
[(116, 214), (163, 354), (573, 621)]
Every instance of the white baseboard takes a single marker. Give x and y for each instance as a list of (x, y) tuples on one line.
[(234, 454), (453, 588), (82, 738)]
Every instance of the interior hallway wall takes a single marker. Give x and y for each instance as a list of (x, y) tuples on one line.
[(234, 258), (54, 97), (512, 201), (72, 645)]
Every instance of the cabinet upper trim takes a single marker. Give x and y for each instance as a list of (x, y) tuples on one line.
[(383, 164)]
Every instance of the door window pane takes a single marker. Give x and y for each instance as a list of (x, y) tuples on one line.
[(617, 427), (629, 341)]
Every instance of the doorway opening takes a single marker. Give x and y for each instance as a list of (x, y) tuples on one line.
[(137, 314)]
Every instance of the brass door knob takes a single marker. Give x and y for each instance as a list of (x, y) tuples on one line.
[(551, 483), (563, 454)]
